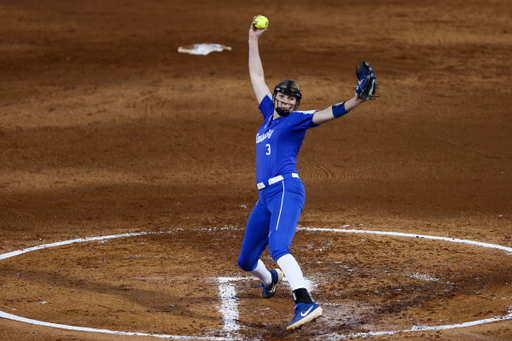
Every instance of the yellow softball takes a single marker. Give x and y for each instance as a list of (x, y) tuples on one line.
[(261, 22)]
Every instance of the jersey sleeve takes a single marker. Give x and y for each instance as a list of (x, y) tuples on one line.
[(266, 106), (304, 120)]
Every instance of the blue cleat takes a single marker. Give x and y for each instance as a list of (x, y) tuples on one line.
[(303, 314), (270, 290)]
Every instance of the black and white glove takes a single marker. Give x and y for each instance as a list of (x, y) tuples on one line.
[(367, 83)]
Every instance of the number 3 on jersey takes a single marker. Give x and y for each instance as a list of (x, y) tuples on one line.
[(268, 149)]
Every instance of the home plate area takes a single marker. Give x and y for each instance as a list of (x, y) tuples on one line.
[(185, 283)]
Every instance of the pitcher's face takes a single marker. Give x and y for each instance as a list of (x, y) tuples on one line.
[(285, 102)]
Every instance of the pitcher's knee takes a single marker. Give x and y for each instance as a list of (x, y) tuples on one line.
[(278, 253), (245, 263)]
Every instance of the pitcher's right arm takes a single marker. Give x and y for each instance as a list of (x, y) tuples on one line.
[(255, 66)]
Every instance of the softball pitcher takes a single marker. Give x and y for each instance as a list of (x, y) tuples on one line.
[(273, 221)]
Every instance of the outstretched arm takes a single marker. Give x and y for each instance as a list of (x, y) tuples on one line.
[(255, 66), (325, 115), (365, 90)]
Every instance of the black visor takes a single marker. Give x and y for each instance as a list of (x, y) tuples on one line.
[(289, 92)]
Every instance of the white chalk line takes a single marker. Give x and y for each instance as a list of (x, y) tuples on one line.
[(73, 241), (418, 328), (103, 331), (508, 250), (229, 305)]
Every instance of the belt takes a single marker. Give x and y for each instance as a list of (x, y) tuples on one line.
[(276, 179)]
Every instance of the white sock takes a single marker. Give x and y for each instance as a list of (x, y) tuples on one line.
[(262, 273), (292, 271)]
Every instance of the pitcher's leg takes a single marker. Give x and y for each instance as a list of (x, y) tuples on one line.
[(286, 209), (262, 273), (255, 238), (254, 243)]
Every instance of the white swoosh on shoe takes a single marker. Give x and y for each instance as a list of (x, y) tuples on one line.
[(307, 312)]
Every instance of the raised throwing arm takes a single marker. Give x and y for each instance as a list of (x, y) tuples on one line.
[(255, 66)]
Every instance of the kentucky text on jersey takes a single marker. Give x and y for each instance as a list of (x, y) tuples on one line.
[(262, 137)]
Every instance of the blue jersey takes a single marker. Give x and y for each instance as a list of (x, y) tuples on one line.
[(279, 140)]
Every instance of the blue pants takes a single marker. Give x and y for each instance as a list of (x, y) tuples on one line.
[(273, 222)]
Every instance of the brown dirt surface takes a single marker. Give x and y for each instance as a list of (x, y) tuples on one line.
[(106, 129)]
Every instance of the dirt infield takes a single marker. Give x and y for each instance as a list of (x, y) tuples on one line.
[(105, 130)]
